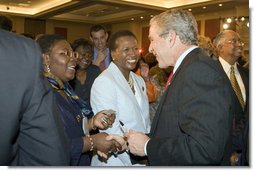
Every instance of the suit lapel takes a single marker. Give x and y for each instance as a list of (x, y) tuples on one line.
[(157, 114), (244, 76)]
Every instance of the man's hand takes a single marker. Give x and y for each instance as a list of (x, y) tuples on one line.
[(121, 140), (136, 141), (104, 146), (101, 56)]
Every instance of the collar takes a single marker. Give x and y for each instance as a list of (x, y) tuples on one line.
[(181, 58), (226, 66)]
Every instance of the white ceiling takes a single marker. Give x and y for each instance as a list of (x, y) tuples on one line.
[(107, 11)]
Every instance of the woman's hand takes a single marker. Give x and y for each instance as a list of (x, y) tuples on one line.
[(102, 120), (121, 140), (105, 146)]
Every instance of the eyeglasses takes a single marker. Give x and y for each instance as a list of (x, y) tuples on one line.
[(85, 56), (235, 41), (163, 34), (70, 54)]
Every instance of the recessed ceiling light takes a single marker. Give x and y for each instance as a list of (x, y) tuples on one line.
[(132, 19), (204, 7), (220, 5), (189, 9), (141, 17), (151, 15)]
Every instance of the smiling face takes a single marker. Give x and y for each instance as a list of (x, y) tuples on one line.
[(61, 60), (159, 46), (85, 57), (126, 54), (99, 39), (231, 47)]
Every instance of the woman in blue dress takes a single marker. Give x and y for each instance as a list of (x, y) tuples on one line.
[(59, 62)]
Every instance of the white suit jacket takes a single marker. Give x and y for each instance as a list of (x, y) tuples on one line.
[(110, 90)]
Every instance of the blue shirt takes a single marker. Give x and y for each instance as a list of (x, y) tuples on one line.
[(107, 59)]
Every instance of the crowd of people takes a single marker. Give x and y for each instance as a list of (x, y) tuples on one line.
[(98, 102)]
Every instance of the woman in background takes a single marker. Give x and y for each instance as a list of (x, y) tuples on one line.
[(143, 70), (86, 72)]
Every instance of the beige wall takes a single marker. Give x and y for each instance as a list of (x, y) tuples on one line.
[(135, 27), (18, 24), (75, 30), (78, 30)]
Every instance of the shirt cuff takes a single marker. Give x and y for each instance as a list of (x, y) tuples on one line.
[(145, 147)]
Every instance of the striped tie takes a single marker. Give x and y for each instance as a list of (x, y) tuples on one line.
[(236, 87)]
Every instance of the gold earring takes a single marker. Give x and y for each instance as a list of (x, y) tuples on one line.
[(47, 68)]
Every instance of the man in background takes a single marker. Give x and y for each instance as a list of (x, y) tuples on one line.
[(229, 48), (99, 37), (30, 128)]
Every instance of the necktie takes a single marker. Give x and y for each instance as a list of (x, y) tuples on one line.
[(169, 79), (236, 87)]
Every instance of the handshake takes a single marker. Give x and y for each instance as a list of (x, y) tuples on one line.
[(132, 141), (111, 144)]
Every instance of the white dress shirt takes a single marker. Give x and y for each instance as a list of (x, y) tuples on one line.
[(226, 66)]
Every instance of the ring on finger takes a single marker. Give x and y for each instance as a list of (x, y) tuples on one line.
[(104, 120)]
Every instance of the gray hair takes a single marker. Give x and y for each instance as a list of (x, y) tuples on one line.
[(180, 21), (219, 39)]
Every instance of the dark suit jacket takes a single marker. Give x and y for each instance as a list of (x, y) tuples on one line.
[(30, 127), (193, 122), (245, 76), (240, 131), (241, 121)]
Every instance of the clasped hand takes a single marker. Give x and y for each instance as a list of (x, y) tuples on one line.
[(132, 140), (105, 146)]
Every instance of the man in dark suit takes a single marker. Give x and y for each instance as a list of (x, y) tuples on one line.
[(229, 48), (30, 128), (192, 125)]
